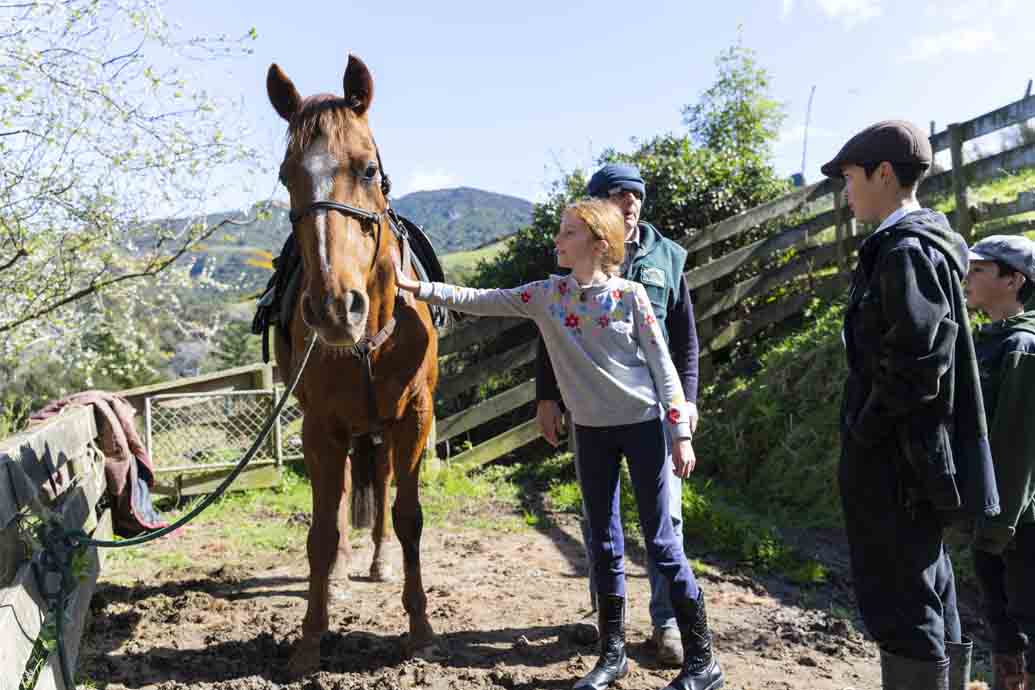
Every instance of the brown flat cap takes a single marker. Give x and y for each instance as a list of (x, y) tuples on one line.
[(895, 141)]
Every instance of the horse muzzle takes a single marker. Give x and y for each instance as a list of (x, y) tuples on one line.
[(337, 321)]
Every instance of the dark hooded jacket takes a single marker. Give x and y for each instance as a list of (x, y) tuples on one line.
[(913, 376), (1006, 360)]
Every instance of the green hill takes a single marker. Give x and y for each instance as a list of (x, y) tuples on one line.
[(456, 220), (464, 218)]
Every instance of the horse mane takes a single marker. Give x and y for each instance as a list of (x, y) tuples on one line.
[(324, 114)]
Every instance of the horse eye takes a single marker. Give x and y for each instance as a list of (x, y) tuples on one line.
[(370, 171)]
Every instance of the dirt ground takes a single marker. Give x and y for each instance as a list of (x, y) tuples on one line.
[(502, 602)]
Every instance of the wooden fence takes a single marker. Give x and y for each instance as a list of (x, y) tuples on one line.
[(55, 471), (741, 289)]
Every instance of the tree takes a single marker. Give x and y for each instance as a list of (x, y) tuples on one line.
[(101, 131), (720, 167), (736, 115)]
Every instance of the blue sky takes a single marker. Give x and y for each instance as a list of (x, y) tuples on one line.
[(506, 96)]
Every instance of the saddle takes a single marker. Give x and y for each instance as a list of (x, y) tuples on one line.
[(276, 305)]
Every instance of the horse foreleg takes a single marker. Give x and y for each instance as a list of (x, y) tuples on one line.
[(340, 569), (380, 571), (326, 471), (409, 523)]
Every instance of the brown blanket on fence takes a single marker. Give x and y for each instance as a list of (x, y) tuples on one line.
[(127, 467)]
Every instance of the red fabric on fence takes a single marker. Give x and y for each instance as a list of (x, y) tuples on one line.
[(128, 470)]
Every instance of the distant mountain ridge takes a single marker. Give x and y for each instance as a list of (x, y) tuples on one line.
[(464, 218), (457, 219)]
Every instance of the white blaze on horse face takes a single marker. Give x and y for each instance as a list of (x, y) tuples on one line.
[(320, 165)]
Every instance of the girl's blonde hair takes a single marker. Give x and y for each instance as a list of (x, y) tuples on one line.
[(605, 222)]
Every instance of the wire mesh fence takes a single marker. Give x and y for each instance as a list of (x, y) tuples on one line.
[(192, 430), (291, 427)]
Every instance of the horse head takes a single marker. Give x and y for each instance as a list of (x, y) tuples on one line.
[(331, 170)]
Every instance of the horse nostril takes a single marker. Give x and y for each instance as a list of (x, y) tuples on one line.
[(355, 307)]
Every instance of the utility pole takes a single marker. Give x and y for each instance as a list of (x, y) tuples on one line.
[(805, 139)]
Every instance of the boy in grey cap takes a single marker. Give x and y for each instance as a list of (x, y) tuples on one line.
[(1001, 280), (912, 412)]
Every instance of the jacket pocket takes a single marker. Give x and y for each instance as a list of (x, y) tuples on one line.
[(657, 295), (929, 452)]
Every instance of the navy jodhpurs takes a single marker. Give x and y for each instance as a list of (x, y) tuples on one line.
[(599, 453), (901, 572)]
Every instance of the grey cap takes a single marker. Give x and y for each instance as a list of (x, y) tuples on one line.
[(1016, 251), (895, 141)]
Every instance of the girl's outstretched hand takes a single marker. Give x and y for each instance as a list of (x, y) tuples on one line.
[(402, 280), (683, 457)]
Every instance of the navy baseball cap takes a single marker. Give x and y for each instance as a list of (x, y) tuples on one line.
[(616, 176), (1016, 251)]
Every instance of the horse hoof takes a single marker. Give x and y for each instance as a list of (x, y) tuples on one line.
[(305, 659), (381, 572), (428, 650)]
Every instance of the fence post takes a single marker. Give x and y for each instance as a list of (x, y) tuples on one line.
[(262, 379), (842, 225), (705, 327), (964, 222), (431, 463)]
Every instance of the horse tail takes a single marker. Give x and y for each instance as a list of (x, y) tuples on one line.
[(364, 473)]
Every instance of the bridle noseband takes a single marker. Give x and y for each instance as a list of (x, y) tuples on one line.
[(357, 213)]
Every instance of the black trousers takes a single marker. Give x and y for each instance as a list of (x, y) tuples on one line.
[(1008, 594), (901, 573)]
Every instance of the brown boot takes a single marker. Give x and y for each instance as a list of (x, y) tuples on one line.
[(1008, 671), (668, 647)]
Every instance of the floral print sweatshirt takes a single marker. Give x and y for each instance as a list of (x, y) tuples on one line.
[(612, 364)]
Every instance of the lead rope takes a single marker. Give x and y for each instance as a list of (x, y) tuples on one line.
[(60, 544)]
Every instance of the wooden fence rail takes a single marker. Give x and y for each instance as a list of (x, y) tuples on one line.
[(52, 469)]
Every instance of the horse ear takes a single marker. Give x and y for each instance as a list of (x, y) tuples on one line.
[(359, 85), (283, 94)]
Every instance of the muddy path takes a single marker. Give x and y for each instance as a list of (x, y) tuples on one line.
[(503, 603)]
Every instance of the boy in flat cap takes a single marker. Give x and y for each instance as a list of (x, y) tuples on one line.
[(911, 414), (1000, 282)]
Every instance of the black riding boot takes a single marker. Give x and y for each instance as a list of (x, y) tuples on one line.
[(900, 673), (959, 654), (700, 670), (612, 664)]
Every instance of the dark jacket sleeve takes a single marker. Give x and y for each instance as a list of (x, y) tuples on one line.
[(1013, 448), (915, 347), (682, 341), (545, 380)]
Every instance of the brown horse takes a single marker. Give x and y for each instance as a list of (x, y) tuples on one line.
[(369, 382)]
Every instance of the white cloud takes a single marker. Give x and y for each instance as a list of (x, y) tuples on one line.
[(788, 7), (954, 41), (851, 12), (424, 180), (958, 12)]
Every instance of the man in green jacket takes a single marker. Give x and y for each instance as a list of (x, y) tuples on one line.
[(1000, 281)]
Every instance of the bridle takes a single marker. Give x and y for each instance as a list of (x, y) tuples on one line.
[(360, 214), (366, 345)]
